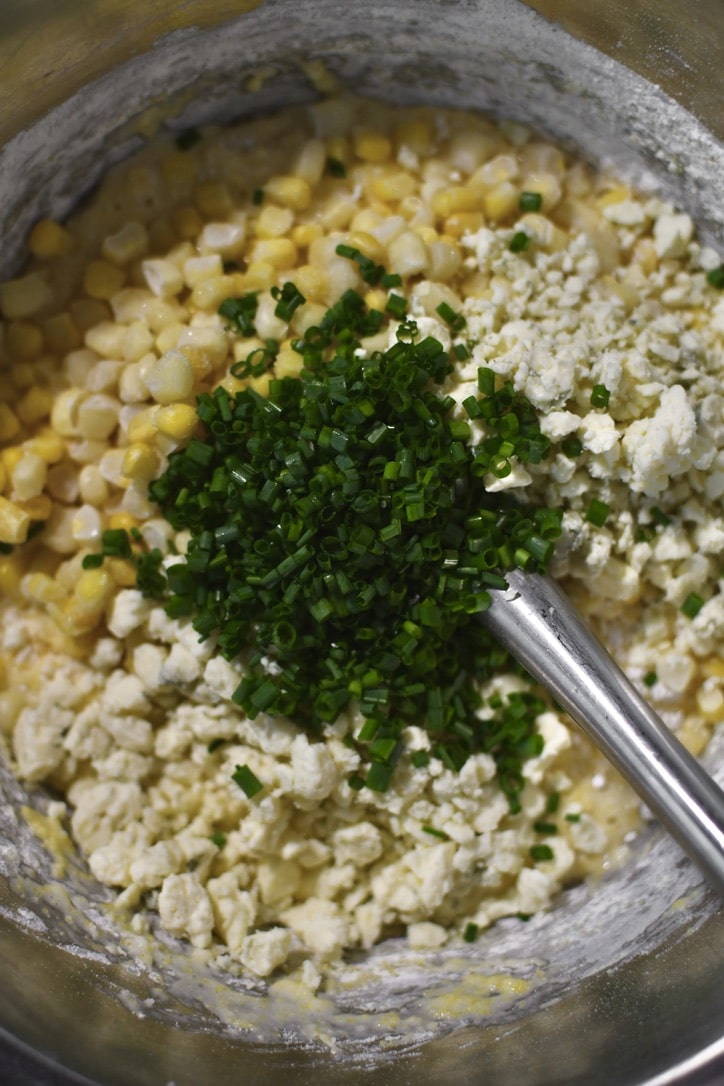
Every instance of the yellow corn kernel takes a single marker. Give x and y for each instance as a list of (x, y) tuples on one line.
[(372, 146), (261, 384), (9, 423), (142, 427), (311, 161), (12, 567), (259, 275), (102, 280), (212, 292), (274, 222), (122, 520), (187, 222), (281, 253), (92, 591), (92, 487), (392, 187), (127, 244), (24, 340), (446, 202), (408, 254), (177, 421), (376, 299), (305, 233), (14, 522), (231, 384), (427, 233), (42, 588), (140, 462), (313, 282), (23, 375), (288, 363), (501, 201), (61, 334), (368, 245), (29, 477), (38, 508), (614, 196), (213, 200), (122, 571), (171, 378), (24, 297), (48, 445), (415, 133), (49, 239), (10, 457), (292, 192), (445, 259), (3, 477), (36, 404), (644, 256), (98, 416)]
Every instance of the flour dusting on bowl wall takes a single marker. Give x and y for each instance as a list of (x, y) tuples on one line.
[(598, 957)]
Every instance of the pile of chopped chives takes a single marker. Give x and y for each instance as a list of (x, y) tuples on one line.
[(340, 527)]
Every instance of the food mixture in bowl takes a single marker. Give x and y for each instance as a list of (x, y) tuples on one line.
[(280, 401)]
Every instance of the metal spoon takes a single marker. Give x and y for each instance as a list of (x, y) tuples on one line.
[(536, 623)]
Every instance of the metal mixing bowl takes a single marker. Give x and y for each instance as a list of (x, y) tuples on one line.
[(625, 978)]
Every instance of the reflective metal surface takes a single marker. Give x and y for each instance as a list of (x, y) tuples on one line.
[(624, 979)]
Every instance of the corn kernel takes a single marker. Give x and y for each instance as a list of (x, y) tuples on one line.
[(98, 416), (102, 280), (274, 222), (24, 297), (87, 525), (212, 292), (163, 277), (171, 378), (408, 254), (140, 462), (48, 445), (29, 477), (311, 161), (42, 588), (305, 233), (186, 222), (178, 421), (281, 253), (24, 340), (12, 567), (313, 282), (37, 508), (213, 200), (63, 482), (14, 522), (372, 146), (376, 299), (9, 423), (61, 334), (501, 201), (288, 363), (23, 375), (93, 589), (106, 339), (35, 405), (291, 192), (259, 275), (10, 457), (417, 134), (261, 384), (392, 187), (49, 239), (3, 477), (127, 244), (123, 521)]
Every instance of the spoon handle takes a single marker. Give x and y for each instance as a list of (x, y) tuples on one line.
[(535, 622)]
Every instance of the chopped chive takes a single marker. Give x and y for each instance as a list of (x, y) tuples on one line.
[(257, 197), (541, 852), (545, 827), (530, 201), (396, 306), (650, 678), (420, 758), (572, 447), (335, 168), (572, 817), (456, 321), (519, 242), (553, 802), (692, 605), (218, 838), (247, 781), (187, 139), (288, 298), (215, 744), (470, 932), (600, 396), (597, 512), (715, 277), (436, 833)]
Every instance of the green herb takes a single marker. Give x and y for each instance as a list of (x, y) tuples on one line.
[(541, 852), (692, 605), (187, 139), (215, 744), (335, 168), (660, 517), (545, 827), (470, 932), (530, 201), (715, 277), (525, 917), (257, 197), (519, 242), (7, 548), (288, 298), (218, 838), (240, 313), (372, 273), (396, 306), (342, 527), (456, 321), (436, 833), (597, 512), (258, 361), (247, 781), (553, 802), (571, 447), (573, 817), (420, 758), (600, 396), (650, 678)]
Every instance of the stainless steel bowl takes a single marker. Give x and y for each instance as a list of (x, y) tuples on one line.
[(624, 980)]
